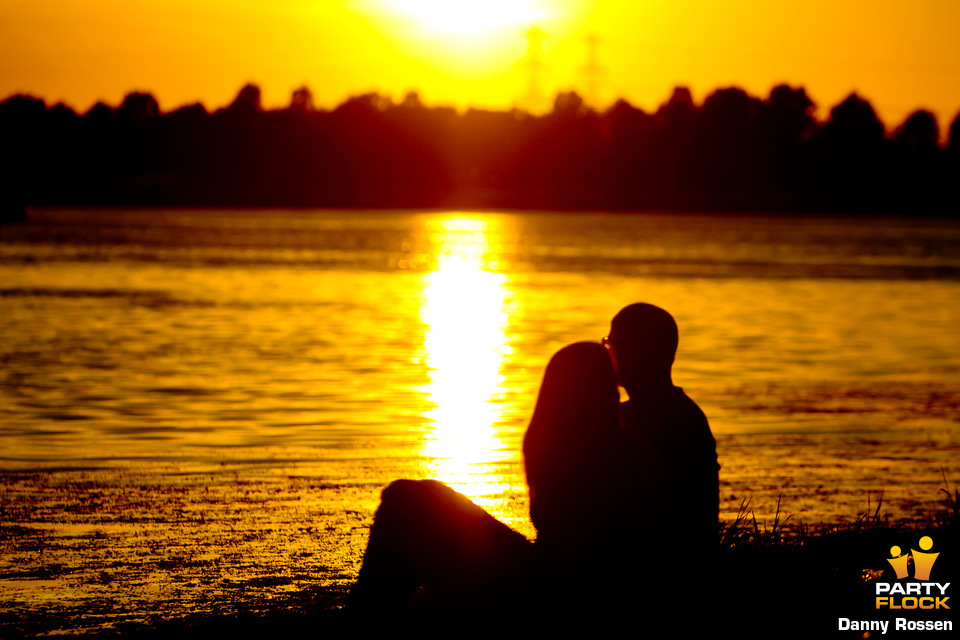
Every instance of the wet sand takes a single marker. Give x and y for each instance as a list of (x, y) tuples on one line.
[(110, 551)]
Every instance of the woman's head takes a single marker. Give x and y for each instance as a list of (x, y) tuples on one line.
[(579, 391)]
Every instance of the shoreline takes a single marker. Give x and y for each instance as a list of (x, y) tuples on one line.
[(811, 580)]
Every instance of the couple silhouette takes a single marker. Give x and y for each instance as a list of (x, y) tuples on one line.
[(621, 493)]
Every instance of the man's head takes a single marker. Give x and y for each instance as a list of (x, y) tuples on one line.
[(643, 342)]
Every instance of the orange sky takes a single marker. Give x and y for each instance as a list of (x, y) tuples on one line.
[(900, 55)]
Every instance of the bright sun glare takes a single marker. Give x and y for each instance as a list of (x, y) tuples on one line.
[(464, 316), (474, 48), (469, 17)]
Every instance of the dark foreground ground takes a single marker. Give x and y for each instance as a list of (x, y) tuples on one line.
[(765, 584)]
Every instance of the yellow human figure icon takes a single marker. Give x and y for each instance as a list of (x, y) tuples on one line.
[(898, 562), (923, 562)]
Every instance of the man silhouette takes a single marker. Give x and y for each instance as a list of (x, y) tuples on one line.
[(667, 479)]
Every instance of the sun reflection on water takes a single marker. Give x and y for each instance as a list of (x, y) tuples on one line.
[(465, 316)]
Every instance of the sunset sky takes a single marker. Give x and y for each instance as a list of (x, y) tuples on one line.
[(900, 55)]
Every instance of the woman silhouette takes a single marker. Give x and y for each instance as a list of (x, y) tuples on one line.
[(567, 449), (427, 538)]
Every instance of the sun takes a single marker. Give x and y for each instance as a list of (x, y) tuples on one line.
[(468, 18), (473, 50)]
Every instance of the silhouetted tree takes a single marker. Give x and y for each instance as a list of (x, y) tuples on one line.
[(188, 115), (62, 115), (919, 131), (915, 165), (727, 137), (559, 159), (674, 150), (953, 142), (412, 101), (951, 167), (301, 100), (22, 152), (854, 124), (625, 121), (480, 170), (733, 151), (849, 155), (364, 105), (787, 116), (189, 153), (247, 101), (627, 162), (22, 108), (786, 124), (568, 104), (138, 107), (100, 113), (679, 111)]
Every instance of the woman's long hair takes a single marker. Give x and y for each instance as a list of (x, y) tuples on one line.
[(572, 428)]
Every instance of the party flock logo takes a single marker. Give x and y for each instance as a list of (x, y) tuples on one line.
[(922, 594), (913, 595)]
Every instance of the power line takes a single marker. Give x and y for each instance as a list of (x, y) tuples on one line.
[(534, 98), (592, 71)]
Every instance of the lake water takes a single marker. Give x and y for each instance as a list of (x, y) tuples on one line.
[(199, 408)]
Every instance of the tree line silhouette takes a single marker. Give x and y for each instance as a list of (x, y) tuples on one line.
[(732, 152)]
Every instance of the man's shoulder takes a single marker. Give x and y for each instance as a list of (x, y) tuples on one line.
[(676, 424), (671, 407), (686, 407)]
